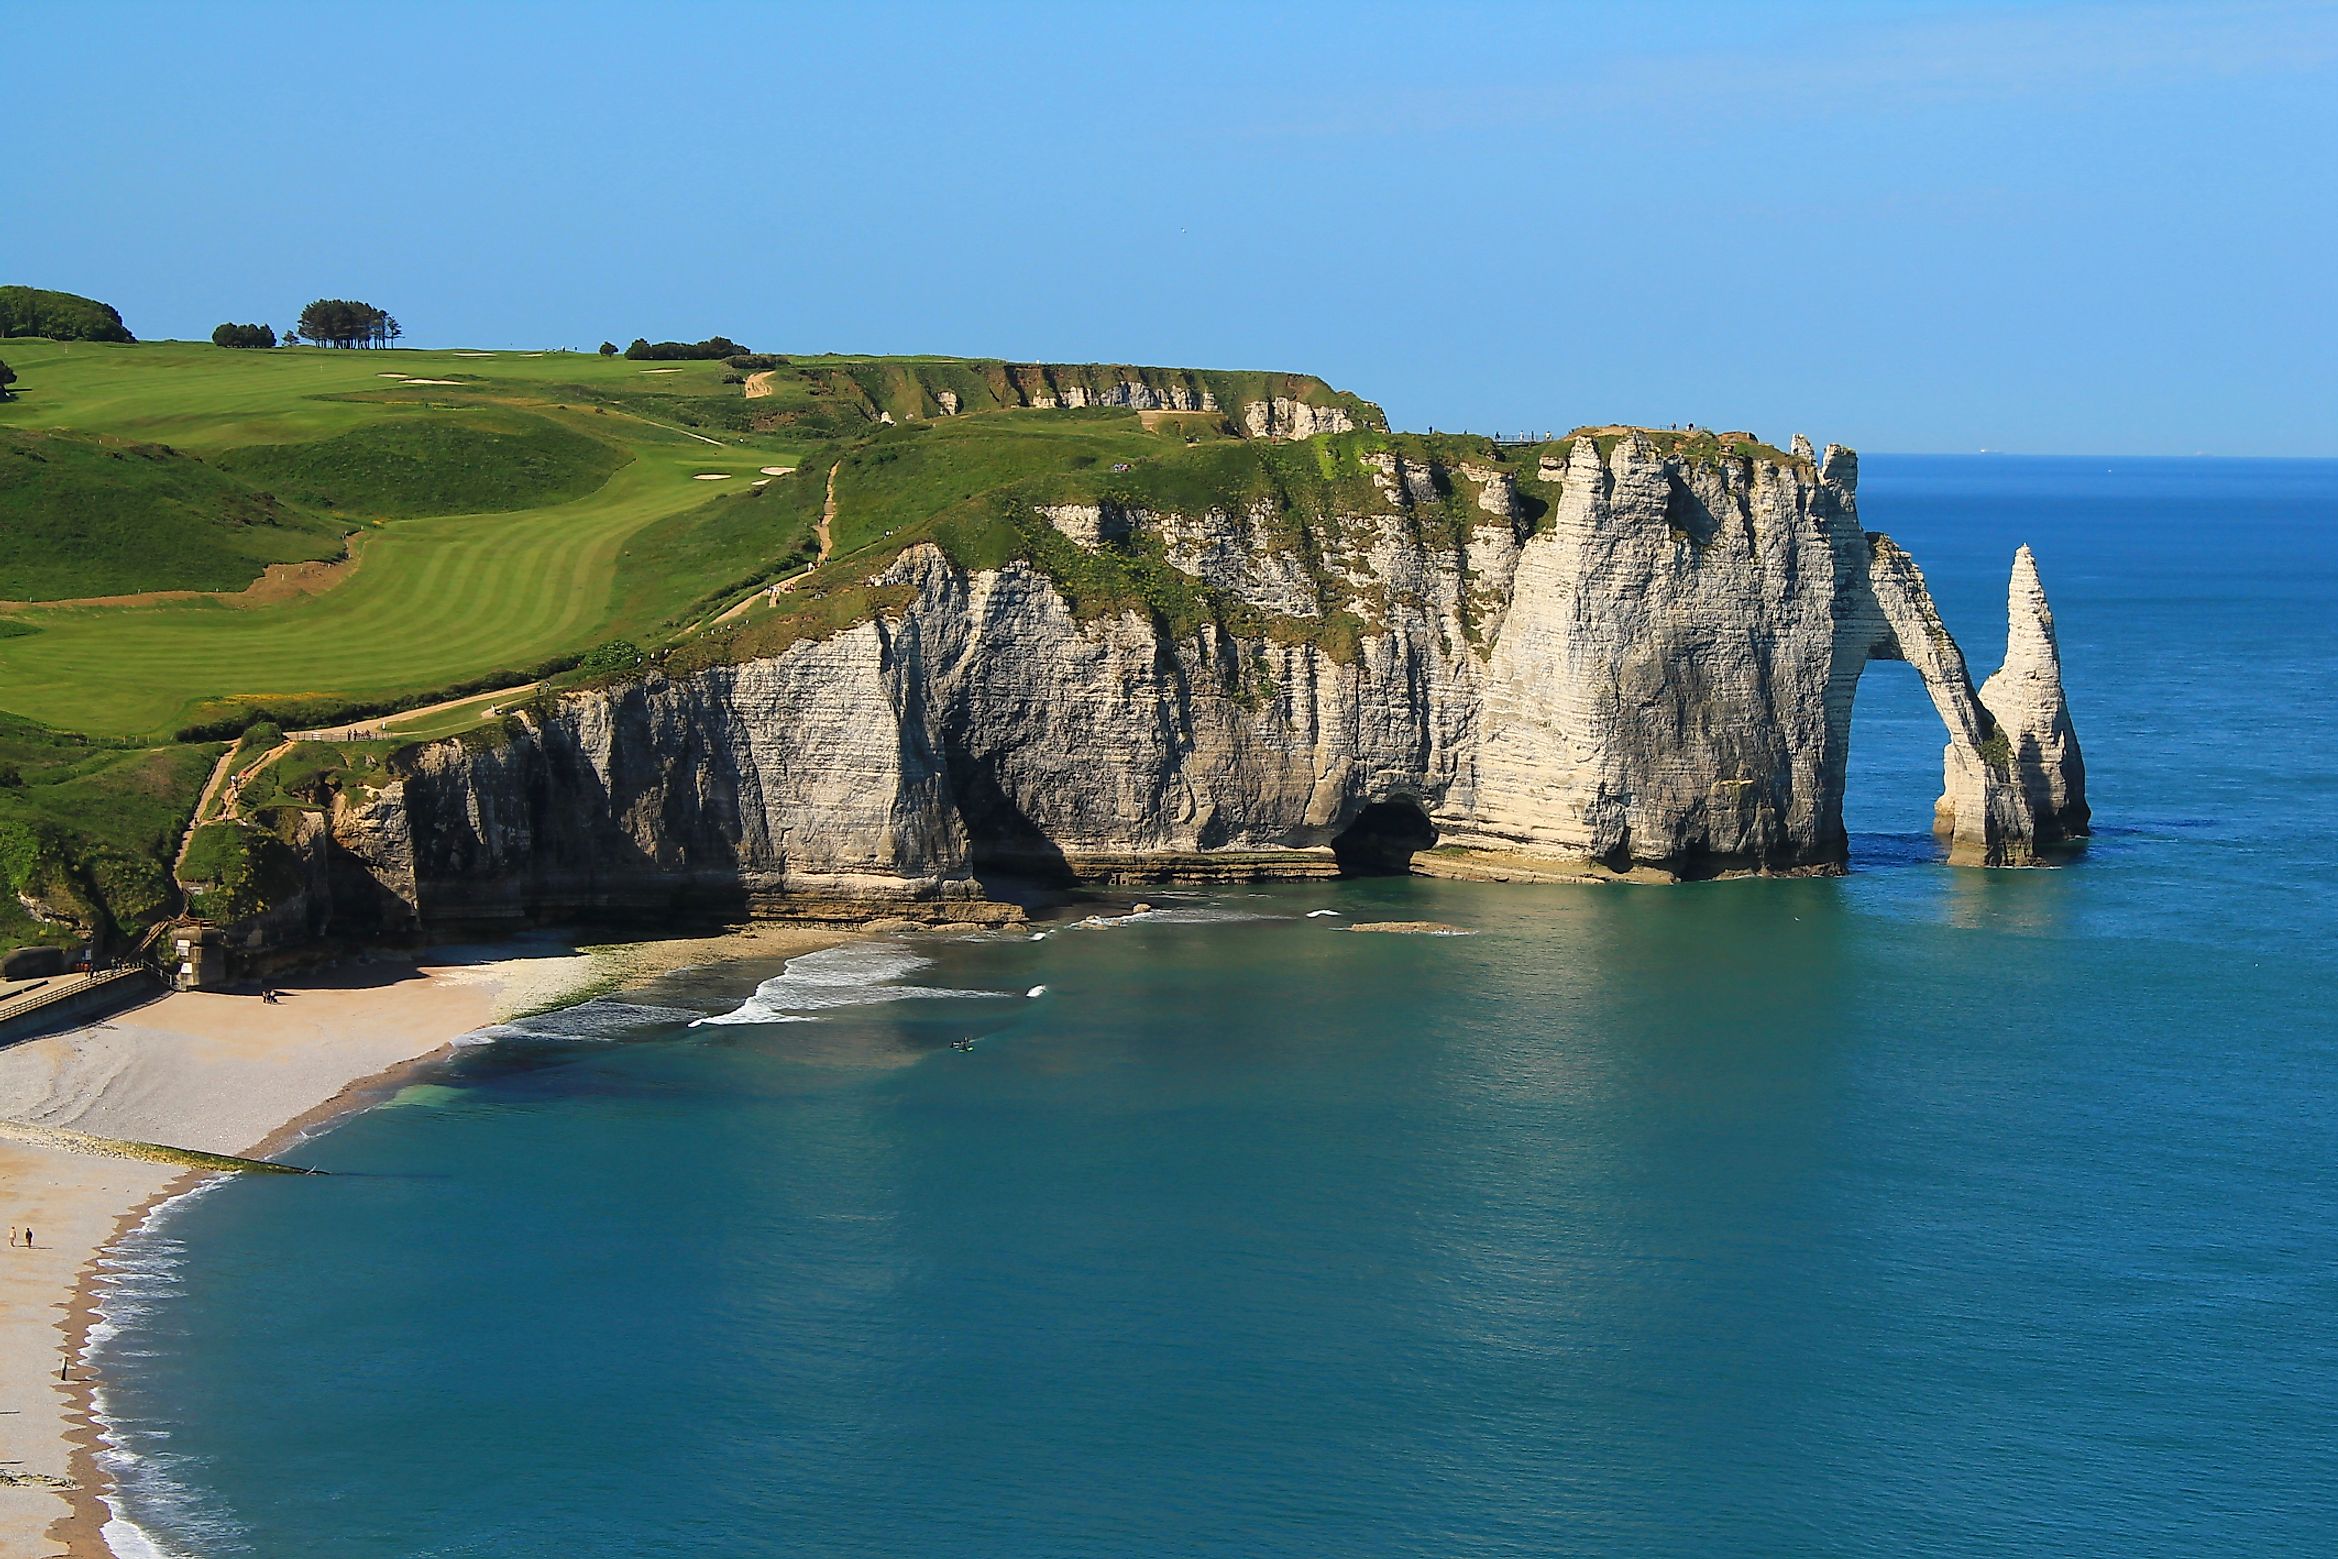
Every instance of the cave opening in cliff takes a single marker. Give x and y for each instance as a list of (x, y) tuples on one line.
[(1383, 839)]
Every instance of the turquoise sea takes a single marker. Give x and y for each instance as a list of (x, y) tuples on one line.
[(1916, 1211)]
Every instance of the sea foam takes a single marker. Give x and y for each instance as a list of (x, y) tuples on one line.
[(858, 974), (602, 1018), (1198, 915), (137, 1276)]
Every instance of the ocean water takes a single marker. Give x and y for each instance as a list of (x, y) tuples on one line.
[(1916, 1211)]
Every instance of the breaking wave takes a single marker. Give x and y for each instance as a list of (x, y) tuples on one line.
[(604, 1017), (858, 974), (1180, 915)]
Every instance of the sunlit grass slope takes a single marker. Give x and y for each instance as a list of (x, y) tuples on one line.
[(84, 515), (490, 515)]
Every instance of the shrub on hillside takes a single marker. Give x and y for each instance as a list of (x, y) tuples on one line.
[(243, 336), (756, 362), (608, 349), (7, 378), (616, 656), (58, 316), (712, 349)]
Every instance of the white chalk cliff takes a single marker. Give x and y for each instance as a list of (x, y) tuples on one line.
[(1595, 662)]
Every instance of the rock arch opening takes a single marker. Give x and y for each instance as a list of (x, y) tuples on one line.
[(1383, 839), (1892, 773)]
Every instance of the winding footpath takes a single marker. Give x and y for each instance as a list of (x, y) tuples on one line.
[(824, 530)]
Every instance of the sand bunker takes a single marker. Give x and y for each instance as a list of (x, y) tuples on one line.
[(474, 354), (434, 381), (777, 470), (712, 476), (661, 370), (761, 481)]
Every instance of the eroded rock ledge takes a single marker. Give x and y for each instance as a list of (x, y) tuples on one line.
[(1626, 663)]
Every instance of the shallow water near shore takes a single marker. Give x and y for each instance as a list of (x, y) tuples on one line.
[(1918, 1210)]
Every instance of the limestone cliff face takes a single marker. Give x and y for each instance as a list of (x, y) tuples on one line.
[(1628, 661), (1283, 417)]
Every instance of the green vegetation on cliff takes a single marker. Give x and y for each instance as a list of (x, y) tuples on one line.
[(518, 523), (87, 831), (502, 514)]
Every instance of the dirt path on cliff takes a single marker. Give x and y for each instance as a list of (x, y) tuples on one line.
[(381, 725), (759, 385), (827, 516), (824, 530), (213, 788)]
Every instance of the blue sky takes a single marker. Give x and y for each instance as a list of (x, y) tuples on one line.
[(2080, 228)]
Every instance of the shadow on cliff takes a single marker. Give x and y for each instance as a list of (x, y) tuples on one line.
[(1007, 854)]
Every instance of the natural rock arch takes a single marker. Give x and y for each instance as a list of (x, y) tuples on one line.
[(2013, 781)]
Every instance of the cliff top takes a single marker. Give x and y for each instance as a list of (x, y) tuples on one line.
[(1694, 444)]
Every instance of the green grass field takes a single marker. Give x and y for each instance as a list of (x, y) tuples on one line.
[(435, 598), (443, 460)]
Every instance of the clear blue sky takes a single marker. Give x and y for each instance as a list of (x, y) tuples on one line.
[(2081, 228)]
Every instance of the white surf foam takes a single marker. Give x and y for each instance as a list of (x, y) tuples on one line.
[(1036, 990), (1198, 915), (858, 974), (136, 1275), (1317, 914), (602, 1018)]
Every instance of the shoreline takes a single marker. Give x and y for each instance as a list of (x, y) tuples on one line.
[(226, 1073)]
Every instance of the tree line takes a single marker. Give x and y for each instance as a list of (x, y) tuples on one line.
[(344, 322), (711, 349), (58, 316), (243, 336)]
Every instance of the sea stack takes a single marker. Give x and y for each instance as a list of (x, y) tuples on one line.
[(2032, 718)]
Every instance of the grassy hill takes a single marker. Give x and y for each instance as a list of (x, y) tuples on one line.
[(87, 515), (502, 515), (454, 460)]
